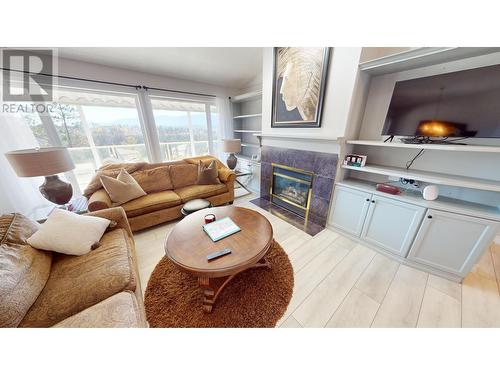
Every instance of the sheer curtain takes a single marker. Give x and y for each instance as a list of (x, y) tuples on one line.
[(225, 128), (17, 194)]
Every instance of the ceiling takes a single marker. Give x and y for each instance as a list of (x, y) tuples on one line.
[(231, 67)]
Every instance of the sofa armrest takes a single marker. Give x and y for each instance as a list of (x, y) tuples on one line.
[(116, 214), (99, 200), (226, 175)]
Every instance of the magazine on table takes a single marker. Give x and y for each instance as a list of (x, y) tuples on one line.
[(221, 228)]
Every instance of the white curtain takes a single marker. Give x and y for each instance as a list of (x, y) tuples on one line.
[(17, 194), (225, 128)]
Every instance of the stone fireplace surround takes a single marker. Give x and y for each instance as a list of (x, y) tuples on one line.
[(322, 164)]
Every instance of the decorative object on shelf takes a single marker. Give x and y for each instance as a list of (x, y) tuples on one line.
[(430, 192), (47, 162), (389, 189), (299, 82), (232, 146), (355, 160)]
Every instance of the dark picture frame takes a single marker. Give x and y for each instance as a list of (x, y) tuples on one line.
[(289, 113)]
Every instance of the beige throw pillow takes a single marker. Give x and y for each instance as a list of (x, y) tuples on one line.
[(69, 233), (207, 175), (122, 189)]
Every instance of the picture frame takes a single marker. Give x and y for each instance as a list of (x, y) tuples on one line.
[(299, 82)]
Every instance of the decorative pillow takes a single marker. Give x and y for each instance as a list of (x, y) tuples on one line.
[(154, 180), (207, 175), (184, 175), (68, 233), (122, 189)]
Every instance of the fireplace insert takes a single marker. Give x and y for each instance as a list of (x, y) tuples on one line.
[(291, 188)]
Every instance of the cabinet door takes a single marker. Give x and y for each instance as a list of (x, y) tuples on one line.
[(452, 242), (349, 209), (392, 224)]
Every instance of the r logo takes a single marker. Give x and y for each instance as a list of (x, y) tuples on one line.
[(27, 75)]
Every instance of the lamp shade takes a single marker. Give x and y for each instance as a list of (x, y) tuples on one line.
[(232, 145), (40, 161)]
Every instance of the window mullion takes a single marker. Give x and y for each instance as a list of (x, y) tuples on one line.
[(146, 117), (208, 114), (191, 134)]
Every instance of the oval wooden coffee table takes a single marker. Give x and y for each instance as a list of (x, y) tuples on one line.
[(188, 245)]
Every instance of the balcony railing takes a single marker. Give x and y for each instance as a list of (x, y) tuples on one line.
[(88, 159)]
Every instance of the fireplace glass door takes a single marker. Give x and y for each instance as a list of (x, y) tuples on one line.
[(291, 188)]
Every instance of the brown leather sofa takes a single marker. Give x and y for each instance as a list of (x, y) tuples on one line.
[(43, 289), (168, 186)]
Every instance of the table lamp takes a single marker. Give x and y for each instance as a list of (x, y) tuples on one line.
[(232, 146), (47, 162)]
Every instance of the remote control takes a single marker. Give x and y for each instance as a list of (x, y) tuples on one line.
[(218, 254)]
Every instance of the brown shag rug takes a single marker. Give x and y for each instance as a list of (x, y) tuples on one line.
[(255, 298)]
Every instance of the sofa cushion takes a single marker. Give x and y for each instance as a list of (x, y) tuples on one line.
[(118, 311), (154, 180), (78, 282), (122, 189), (62, 227), (151, 202), (207, 174), (183, 175), (200, 191), (23, 269)]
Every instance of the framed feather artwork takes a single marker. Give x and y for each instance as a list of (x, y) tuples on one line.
[(299, 86)]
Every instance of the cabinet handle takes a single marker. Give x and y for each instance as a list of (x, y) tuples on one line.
[(373, 201), (367, 199), (429, 217)]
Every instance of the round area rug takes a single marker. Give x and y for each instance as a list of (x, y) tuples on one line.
[(255, 298)]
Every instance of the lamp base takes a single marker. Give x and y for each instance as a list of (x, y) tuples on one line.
[(231, 161), (56, 190)]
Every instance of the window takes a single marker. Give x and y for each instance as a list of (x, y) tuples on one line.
[(183, 128), (96, 127), (100, 127)]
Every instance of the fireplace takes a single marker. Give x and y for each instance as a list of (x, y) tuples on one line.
[(291, 188)]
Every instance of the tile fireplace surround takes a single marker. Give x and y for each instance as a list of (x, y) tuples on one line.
[(323, 165)]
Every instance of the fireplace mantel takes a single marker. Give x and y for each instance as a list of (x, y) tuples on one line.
[(309, 137)]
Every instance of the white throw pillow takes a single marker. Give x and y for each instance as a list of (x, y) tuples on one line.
[(68, 233), (122, 189)]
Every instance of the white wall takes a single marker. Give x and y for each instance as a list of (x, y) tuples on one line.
[(341, 88), (79, 69)]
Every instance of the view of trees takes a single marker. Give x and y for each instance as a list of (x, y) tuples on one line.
[(121, 132)]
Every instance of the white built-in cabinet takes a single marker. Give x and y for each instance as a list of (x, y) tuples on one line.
[(438, 240), (350, 211), (392, 224), (451, 242)]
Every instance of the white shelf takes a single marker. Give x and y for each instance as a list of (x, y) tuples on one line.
[(250, 145), (246, 96), (421, 57), (432, 177), (248, 116), (441, 147)]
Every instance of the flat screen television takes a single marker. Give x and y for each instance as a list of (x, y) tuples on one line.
[(459, 104)]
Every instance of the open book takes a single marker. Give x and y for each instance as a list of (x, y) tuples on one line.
[(221, 228)]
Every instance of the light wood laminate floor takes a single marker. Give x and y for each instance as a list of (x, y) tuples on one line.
[(341, 283)]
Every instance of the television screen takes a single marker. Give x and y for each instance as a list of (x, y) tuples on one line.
[(458, 104)]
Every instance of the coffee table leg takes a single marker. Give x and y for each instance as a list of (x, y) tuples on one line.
[(209, 293), (212, 286)]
